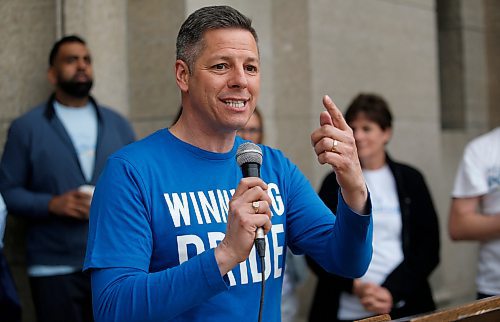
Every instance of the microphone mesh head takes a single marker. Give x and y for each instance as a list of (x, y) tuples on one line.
[(249, 152)]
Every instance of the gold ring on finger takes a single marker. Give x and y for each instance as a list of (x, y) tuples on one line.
[(334, 146), (255, 206)]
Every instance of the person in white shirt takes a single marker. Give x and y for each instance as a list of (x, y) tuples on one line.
[(475, 207), (405, 233)]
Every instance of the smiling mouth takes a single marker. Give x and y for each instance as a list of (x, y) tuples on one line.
[(235, 103)]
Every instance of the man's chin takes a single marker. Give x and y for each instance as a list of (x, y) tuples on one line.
[(76, 89)]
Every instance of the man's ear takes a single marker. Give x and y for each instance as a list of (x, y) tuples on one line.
[(182, 75), (52, 75)]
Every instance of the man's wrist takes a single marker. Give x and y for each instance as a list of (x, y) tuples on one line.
[(356, 199), (224, 259), (51, 205)]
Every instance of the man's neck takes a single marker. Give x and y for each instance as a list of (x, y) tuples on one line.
[(214, 142), (71, 101)]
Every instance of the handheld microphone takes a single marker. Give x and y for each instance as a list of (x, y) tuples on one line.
[(249, 158)]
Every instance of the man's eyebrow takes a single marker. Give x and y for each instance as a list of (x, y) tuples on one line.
[(253, 60), (69, 57), (228, 58)]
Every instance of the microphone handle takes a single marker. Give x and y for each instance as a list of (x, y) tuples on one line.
[(250, 169), (260, 242)]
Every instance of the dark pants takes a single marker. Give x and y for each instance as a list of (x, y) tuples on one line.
[(10, 307), (62, 298)]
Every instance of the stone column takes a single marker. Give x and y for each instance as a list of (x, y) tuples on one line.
[(465, 69), (103, 24), (492, 20), (152, 31), (27, 30)]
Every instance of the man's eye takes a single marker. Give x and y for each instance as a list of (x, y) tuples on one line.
[(251, 68), (220, 66)]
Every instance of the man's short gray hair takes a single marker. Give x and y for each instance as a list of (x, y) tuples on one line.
[(190, 38)]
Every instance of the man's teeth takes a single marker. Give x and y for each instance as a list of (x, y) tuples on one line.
[(236, 104)]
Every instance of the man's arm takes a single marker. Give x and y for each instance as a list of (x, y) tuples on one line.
[(466, 223), (129, 294), (340, 243), (73, 203), (16, 172)]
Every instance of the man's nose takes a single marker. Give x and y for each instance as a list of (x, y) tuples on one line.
[(83, 63), (238, 78)]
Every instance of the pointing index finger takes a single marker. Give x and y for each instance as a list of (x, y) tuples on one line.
[(336, 115)]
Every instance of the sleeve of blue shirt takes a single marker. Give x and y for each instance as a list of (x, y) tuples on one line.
[(128, 294), (340, 243)]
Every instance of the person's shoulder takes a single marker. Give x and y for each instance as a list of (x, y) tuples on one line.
[(274, 156), (32, 113), (495, 133), (484, 143), (486, 138), (271, 157), (140, 149), (30, 117), (330, 178), (111, 113), (117, 121), (406, 169), (271, 151), (329, 185)]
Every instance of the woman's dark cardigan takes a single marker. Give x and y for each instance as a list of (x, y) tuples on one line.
[(408, 282)]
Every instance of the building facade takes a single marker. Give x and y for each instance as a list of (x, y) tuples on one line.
[(436, 62)]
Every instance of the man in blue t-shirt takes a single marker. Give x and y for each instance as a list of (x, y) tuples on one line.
[(173, 223)]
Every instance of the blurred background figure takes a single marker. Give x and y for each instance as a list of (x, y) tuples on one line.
[(405, 236), (10, 307), (475, 207), (254, 129), (295, 267), (53, 157)]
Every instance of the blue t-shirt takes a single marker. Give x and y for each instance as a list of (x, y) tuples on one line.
[(161, 206)]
